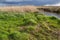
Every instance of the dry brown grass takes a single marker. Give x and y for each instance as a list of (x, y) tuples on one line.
[(28, 8), (19, 8)]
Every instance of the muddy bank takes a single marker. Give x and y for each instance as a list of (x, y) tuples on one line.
[(50, 9)]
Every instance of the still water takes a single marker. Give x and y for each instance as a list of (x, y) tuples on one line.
[(52, 14)]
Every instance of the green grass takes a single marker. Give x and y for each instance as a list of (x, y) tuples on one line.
[(28, 26)]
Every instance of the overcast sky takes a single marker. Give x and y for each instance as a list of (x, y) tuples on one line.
[(30, 2)]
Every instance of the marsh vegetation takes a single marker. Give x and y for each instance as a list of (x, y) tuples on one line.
[(28, 26)]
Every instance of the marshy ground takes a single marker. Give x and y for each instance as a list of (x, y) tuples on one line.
[(28, 25)]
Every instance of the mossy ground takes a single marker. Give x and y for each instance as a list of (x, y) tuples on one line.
[(28, 26)]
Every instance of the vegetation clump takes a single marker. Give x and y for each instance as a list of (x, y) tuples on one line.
[(28, 26)]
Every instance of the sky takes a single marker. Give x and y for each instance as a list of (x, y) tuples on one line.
[(31, 2)]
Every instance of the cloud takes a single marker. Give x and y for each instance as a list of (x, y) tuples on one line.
[(31, 2), (13, 0), (57, 4)]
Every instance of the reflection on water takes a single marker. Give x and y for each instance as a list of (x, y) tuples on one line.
[(52, 14)]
